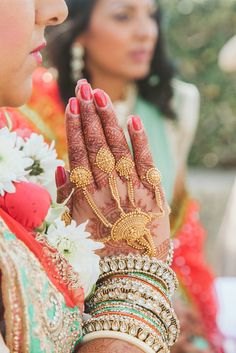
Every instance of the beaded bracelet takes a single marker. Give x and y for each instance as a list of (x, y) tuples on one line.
[(135, 311), (127, 283), (132, 294), (131, 291), (124, 324), (165, 319), (140, 264), (142, 278)]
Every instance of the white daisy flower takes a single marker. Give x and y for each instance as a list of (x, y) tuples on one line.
[(74, 243), (45, 162), (13, 162)]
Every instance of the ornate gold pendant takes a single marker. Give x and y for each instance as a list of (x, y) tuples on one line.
[(132, 227)]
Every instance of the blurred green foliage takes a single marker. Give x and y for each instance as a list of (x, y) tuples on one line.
[(196, 31)]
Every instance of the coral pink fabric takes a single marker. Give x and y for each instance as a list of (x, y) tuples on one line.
[(25, 210), (194, 273), (29, 205), (72, 297), (19, 124)]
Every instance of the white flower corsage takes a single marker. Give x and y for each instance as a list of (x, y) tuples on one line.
[(45, 162), (74, 243), (13, 162)]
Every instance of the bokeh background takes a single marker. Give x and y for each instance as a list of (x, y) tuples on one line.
[(197, 30)]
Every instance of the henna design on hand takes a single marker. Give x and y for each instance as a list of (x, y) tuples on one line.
[(114, 133), (86, 135), (94, 140), (142, 154), (106, 345), (75, 140)]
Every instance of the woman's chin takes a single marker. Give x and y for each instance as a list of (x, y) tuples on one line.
[(140, 74)]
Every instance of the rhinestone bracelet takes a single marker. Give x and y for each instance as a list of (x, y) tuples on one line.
[(140, 264), (134, 291), (128, 308), (131, 291), (142, 278), (127, 325), (165, 317), (121, 284), (134, 313)]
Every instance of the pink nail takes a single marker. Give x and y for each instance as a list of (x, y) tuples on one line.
[(74, 106), (86, 92), (100, 99), (136, 122), (60, 176)]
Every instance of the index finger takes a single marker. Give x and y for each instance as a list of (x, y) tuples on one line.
[(77, 152)]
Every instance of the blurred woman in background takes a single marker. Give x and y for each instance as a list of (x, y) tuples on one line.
[(119, 46)]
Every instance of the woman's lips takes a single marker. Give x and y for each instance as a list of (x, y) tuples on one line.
[(141, 56), (38, 57), (36, 53)]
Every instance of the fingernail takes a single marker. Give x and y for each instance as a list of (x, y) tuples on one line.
[(60, 176), (136, 122), (74, 106), (86, 92), (81, 81), (100, 99)]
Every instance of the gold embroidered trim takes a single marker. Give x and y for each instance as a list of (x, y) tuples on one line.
[(56, 332)]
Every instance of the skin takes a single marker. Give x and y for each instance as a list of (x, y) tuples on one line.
[(19, 37), (85, 133), (107, 346), (94, 128), (127, 26), (130, 28)]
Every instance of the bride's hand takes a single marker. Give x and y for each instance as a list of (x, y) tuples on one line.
[(94, 136)]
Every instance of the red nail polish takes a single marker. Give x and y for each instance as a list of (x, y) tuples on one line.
[(60, 176), (100, 99), (136, 122), (86, 92), (74, 106)]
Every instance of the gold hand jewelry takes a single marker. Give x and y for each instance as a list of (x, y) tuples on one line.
[(153, 177), (124, 168), (132, 226), (66, 218), (82, 177), (106, 162)]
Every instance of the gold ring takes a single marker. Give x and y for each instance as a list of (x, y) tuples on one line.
[(153, 177), (125, 167), (105, 160), (81, 177)]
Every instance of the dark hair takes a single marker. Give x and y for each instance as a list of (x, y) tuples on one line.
[(156, 88)]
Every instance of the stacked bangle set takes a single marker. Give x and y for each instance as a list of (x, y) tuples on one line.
[(133, 298)]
